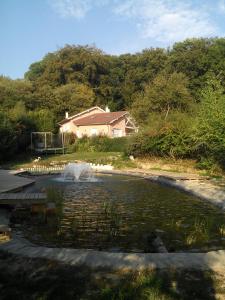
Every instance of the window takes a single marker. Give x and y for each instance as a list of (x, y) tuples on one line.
[(94, 131), (117, 132)]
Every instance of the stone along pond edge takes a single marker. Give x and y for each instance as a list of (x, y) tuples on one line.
[(213, 260)]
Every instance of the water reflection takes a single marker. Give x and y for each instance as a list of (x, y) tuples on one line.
[(119, 213)]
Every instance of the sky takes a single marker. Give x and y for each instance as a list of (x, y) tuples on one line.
[(29, 29)]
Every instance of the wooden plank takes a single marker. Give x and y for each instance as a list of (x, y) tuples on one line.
[(9, 198), (10, 182), (12, 196)]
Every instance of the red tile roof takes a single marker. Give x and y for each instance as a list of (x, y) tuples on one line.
[(79, 114), (100, 118)]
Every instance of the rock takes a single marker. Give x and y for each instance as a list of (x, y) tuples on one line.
[(154, 244), (115, 249), (136, 251), (159, 231), (195, 250), (158, 244), (67, 209)]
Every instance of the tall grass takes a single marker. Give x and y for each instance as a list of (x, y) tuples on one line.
[(200, 232), (55, 195)]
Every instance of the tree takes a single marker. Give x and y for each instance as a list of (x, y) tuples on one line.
[(8, 137), (166, 92), (18, 111), (210, 125), (73, 97), (43, 119), (13, 91)]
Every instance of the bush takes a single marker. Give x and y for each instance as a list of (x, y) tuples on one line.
[(170, 144), (170, 137), (14, 135), (100, 144), (210, 124), (8, 145)]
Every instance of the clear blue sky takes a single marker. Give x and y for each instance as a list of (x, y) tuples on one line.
[(31, 28)]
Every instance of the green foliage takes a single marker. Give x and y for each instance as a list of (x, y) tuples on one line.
[(56, 196), (43, 119), (14, 134), (73, 97), (18, 111), (200, 233), (197, 58), (210, 124), (139, 286), (170, 137), (100, 144), (13, 91), (163, 89), (180, 135), (166, 93), (8, 144)]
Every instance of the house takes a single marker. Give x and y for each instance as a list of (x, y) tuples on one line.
[(96, 121)]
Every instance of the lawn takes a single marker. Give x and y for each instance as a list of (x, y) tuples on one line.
[(116, 159)]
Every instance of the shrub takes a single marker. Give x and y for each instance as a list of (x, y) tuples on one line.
[(14, 135), (164, 138), (100, 144), (8, 145), (210, 124)]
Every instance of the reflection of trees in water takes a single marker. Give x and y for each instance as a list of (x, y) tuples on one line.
[(92, 220), (121, 214)]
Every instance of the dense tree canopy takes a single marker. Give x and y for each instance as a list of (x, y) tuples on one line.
[(165, 93), (155, 84), (117, 81)]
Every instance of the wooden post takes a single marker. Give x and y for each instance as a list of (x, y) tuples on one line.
[(63, 143), (31, 142), (45, 140)]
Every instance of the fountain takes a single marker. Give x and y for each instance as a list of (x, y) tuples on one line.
[(77, 172)]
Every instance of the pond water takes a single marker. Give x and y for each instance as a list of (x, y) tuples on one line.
[(122, 213)]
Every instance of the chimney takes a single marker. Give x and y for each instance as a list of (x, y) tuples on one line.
[(107, 109), (67, 115)]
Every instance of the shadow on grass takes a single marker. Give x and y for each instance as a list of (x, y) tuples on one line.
[(160, 285), (24, 278)]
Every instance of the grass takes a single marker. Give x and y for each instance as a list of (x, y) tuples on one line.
[(26, 278), (144, 285), (168, 164), (56, 196), (115, 159), (200, 232)]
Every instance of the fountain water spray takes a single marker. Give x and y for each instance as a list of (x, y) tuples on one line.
[(77, 171)]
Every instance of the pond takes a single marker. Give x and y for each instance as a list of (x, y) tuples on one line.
[(124, 213)]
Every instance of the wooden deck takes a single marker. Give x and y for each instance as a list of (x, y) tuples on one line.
[(22, 198), (10, 182)]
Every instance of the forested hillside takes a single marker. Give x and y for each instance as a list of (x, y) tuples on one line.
[(176, 96)]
